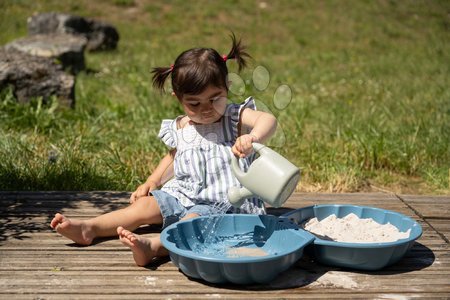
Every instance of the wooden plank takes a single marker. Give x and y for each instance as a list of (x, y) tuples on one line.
[(257, 295), (442, 226), (97, 204), (194, 296), (429, 206), (68, 260), (158, 285), (175, 282), (64, 195), (445, 199), (53, 241), (65, 246)]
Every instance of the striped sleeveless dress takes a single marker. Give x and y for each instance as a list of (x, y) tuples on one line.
[(202, 163)]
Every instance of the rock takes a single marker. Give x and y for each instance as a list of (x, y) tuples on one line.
[(100, 35), (34, 76), (66, 48)]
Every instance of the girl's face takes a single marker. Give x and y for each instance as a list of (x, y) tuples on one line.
[(207, 107)]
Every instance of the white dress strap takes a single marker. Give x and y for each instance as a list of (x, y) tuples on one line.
[(168, 132)]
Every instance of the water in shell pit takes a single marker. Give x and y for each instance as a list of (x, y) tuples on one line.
[(352, 229)]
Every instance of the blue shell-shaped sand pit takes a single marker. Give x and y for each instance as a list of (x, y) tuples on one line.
[(361, 256), (240, 249)]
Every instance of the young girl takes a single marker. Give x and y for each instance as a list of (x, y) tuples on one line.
[(202, 143)]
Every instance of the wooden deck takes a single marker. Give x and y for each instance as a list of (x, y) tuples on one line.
[(37, 263)]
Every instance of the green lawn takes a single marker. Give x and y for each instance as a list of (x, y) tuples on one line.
[(370, 84)]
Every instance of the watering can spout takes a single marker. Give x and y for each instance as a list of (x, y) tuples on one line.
[(237, 195)]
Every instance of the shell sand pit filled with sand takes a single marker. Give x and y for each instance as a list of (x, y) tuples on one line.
[(352, 229)]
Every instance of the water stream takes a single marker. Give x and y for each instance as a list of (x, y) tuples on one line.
[(213, 244)]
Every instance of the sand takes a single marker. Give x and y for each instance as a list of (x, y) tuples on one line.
[(352, 229), (244, 251)]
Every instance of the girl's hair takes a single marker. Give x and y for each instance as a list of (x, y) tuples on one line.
[(197, 68)]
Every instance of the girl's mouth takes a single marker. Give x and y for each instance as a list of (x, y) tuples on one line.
[(208, 116)]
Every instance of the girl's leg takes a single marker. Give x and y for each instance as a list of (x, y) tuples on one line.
[(145, 249), (144, 211)]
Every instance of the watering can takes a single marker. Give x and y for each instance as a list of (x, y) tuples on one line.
[(270, 177)]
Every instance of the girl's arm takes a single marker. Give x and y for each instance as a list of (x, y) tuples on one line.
[(162, 173), (263, 126)]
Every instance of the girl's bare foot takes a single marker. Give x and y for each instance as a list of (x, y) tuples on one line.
[(75, 230), (140, 246)]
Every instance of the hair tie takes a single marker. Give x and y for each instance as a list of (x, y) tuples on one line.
[(225, 57), (171, 67)]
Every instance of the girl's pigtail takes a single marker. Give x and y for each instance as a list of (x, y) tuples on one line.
[(160, 75), (238, 52)]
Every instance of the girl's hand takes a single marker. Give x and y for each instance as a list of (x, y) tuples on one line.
[(243, 145), (143, 190)]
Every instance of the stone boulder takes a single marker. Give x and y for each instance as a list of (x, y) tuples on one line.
[(66, 48), (33, 76), (100, 36)]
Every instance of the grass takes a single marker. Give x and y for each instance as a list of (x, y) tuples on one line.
[(369, 79)]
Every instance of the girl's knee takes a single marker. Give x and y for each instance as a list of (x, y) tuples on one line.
[(190, 216), (144, 201), (144, 204), (147, 207)]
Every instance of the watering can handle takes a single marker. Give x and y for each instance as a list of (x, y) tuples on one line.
[(259, 148)]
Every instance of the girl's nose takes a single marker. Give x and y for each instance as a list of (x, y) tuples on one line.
[(208, 108)]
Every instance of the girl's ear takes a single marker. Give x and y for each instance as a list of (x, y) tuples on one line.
[(174, 95)]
